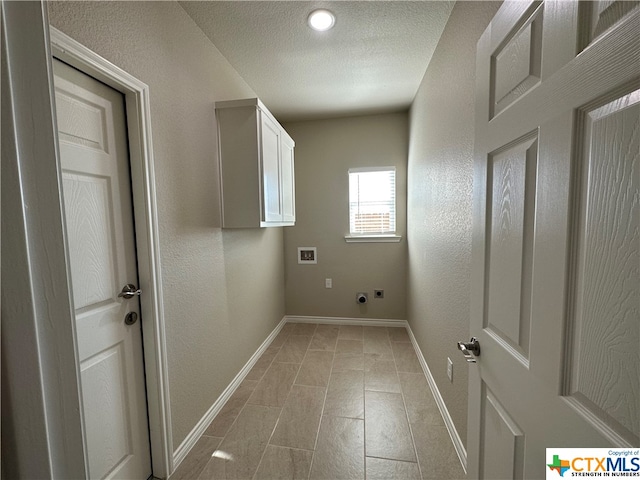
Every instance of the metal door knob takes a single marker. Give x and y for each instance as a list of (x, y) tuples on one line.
[(130, 291), (470, 349)]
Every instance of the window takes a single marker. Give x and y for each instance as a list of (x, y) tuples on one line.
[(372, 201)]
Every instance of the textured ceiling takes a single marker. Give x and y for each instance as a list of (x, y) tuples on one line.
[(372, 60)]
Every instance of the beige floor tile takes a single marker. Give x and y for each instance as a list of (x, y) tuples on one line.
[(375, 332), (436, 455), (379, 362), (340, 450), (227, 415), (261, 366), (288, 327), (406, 358), (379, 345), (282, 336), (304, 329), (422, 408), (294, 349), (387, 430), (371, 374), (325, 338), (350, 332), (348, 361), (240, 452), (399, 334), (273, 349), (300, 418), (383, 469), (249, 383), (281, 463), (349, 346), (345, 396), (381, 376), (315, 369), (275, 385), (196, 459)]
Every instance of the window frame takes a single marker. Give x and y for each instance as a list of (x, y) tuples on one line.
[(373, 237)]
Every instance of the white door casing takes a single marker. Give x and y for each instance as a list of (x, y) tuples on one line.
[(556, 275), (98, 211), (141, 159)]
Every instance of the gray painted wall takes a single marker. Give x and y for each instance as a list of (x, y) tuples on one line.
[(208, 273), (325, 150), (223, 288), (439, 196)]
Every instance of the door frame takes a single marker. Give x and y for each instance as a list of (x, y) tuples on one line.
[(40, 372), (42, 425), (138, 115)]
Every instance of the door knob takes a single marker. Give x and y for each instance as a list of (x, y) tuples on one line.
[(129, 291), (470, 349)]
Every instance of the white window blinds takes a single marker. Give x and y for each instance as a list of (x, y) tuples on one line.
[(372, 201)]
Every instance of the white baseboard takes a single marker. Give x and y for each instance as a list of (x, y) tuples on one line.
[(448, 421), (375, 322), (197, 431)]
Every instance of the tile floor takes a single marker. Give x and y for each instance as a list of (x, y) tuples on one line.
[(329, 402)]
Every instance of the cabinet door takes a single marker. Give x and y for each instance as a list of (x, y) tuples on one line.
[(288, 182), (271, 193)]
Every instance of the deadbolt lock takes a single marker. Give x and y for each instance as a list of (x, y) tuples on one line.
[(131, 318)]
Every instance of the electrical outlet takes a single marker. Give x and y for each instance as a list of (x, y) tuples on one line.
[(328, 283), (450, 369)]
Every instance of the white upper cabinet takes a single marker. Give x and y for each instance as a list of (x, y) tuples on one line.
[(256, 166), (288, 180)]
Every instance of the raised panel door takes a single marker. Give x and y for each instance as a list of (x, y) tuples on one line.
[(556, 270), (99, 227)]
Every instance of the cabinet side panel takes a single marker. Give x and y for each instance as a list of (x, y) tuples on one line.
[(288, 181), (239, 172)]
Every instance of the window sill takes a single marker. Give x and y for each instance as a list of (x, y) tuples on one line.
[(372, 238)]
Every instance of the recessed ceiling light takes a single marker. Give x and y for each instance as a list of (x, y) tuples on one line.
[(321, 20)]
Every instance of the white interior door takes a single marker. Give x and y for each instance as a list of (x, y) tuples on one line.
[(556, 281), (99, 225)]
